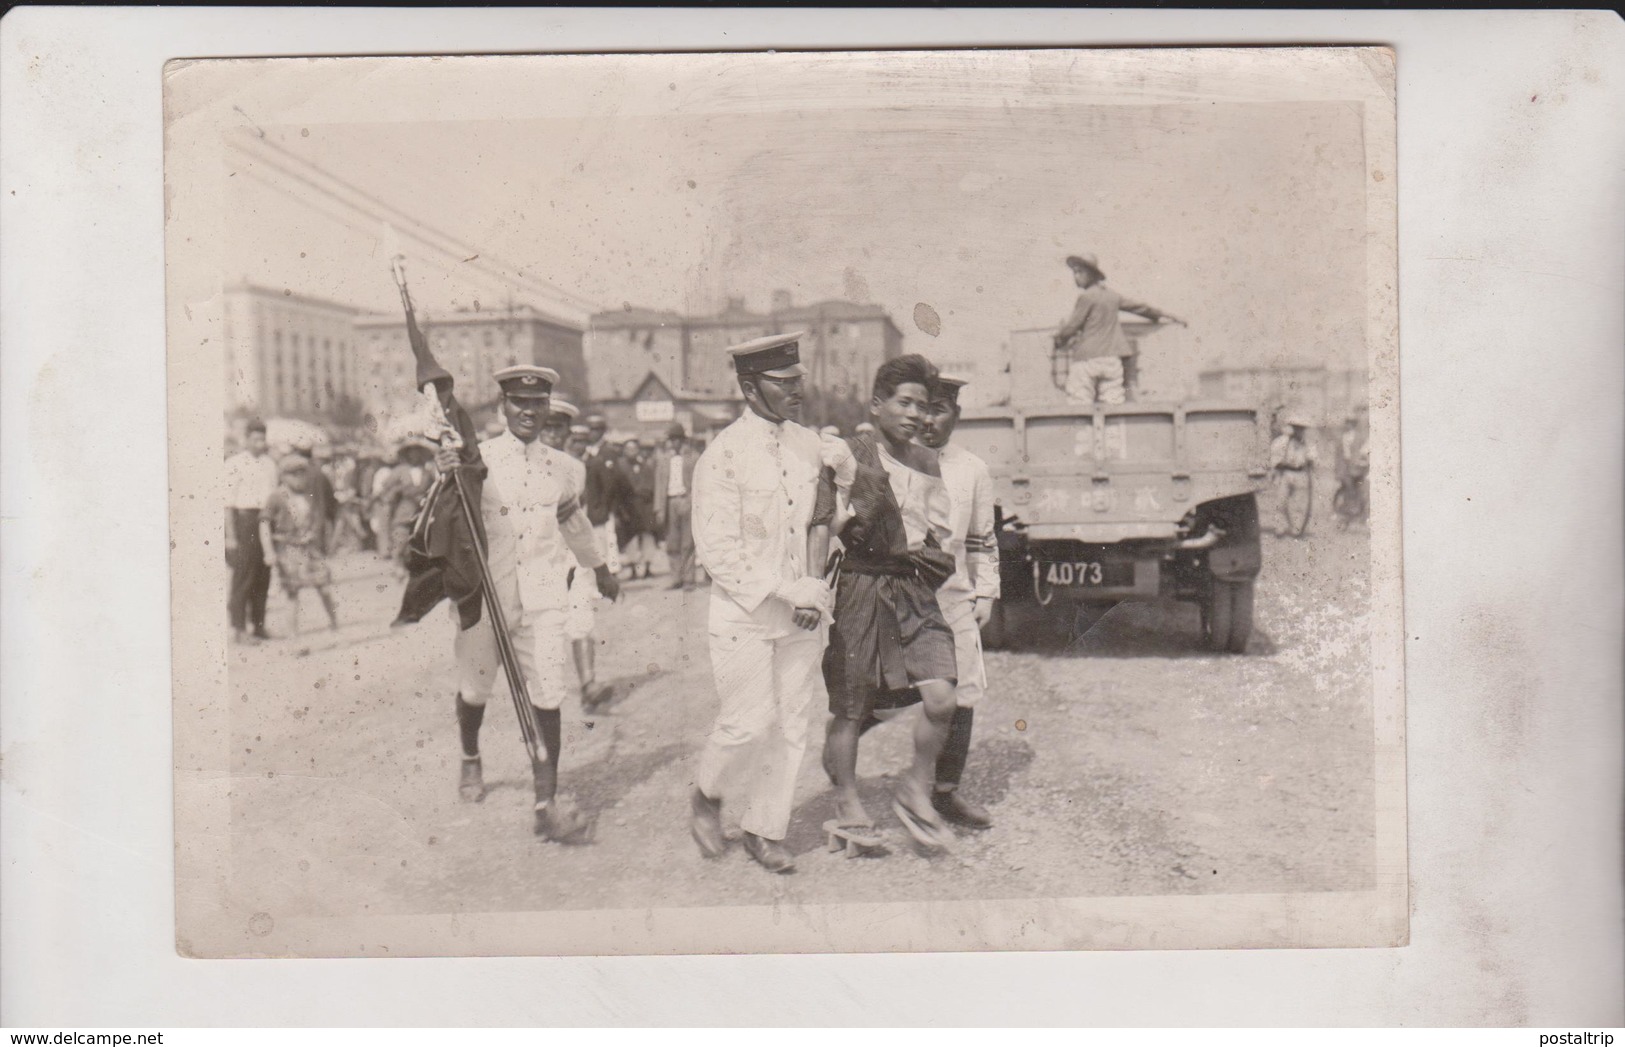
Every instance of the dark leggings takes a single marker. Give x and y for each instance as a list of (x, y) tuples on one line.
[(250, 574)]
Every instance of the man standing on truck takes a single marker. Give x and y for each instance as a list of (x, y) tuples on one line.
[(1093, 335), (967, 598)]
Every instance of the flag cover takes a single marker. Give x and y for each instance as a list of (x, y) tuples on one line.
[(442, 554)]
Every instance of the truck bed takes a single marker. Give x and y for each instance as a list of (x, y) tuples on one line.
[(1116, 473)]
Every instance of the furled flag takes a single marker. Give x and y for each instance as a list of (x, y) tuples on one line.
[(442, 555)]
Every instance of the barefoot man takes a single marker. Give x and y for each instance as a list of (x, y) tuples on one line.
[(890, 641)]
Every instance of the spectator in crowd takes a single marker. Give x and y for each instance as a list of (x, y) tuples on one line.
[(403, 494), (251, 476), (635, 523), (294, 525), (673, 484), (1292, 464)]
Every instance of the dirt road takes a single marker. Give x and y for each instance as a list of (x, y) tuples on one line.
[(1130, 762)]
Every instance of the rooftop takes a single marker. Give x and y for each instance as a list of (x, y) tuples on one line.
[(736, 312), (519, 314), (286, 295)]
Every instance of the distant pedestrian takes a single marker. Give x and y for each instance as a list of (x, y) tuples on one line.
[(293, 524), (604, 490), (1093, 335), (1292, 465), (404, 491), (251, 476), (321, 487), (635, 519), (674, 481)]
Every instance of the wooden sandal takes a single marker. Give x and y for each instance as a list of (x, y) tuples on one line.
[(929, 837), (854, 838)]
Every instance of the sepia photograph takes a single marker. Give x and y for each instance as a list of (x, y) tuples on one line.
[(785, 502)]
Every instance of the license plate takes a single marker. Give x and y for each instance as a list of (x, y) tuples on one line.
[(1087, 573)]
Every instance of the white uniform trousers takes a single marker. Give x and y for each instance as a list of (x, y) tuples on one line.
[(1098, 379), (538, 641), (958, 607), (765, 690)]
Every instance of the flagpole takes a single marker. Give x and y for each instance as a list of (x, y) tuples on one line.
[(517, 688)]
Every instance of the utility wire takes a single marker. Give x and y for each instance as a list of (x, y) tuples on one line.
[(414, 227)]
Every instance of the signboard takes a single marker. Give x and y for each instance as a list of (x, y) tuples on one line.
[(654, 410)]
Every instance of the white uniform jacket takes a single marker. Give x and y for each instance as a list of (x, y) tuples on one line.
[(754, 489), (528, 489), (973, 543)]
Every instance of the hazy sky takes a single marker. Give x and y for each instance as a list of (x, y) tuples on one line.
[(961, 184)]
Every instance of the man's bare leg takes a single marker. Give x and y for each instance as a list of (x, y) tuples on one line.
[(930, 734), (842, 744)]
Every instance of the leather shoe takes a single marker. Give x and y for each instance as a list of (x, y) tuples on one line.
[(705, 825), (769, 854), (955, 808)]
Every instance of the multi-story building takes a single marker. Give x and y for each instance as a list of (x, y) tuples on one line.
[(1326, 394), (288, 355), (472, 346), (845, 342)]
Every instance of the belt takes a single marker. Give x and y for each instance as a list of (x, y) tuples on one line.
[(1293, 468), (897, 568)]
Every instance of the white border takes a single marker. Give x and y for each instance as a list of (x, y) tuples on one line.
[(1511, 292)]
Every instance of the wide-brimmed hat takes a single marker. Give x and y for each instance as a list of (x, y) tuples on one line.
[(1086, 260)]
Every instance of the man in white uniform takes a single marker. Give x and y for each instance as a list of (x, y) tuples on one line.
[(966, 598), (534, 527), (754, 489)]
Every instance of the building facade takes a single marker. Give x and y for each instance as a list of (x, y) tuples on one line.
[(845, 342), (1327, 395), (288, 355), (472, 346), (648, 414)]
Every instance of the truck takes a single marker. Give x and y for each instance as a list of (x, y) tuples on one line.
[(1097, 504)]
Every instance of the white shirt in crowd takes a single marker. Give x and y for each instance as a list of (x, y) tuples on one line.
[(675, 487), (250, 479)]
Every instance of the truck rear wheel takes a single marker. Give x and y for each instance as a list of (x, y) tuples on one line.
[(1227, 616)]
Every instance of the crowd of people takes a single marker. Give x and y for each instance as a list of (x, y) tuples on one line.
[(855, 570), (292, 507)]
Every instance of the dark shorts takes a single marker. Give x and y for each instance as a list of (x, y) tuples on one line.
[(889, 636)]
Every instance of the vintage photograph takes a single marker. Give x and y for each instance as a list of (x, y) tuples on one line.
[(785, 502)]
